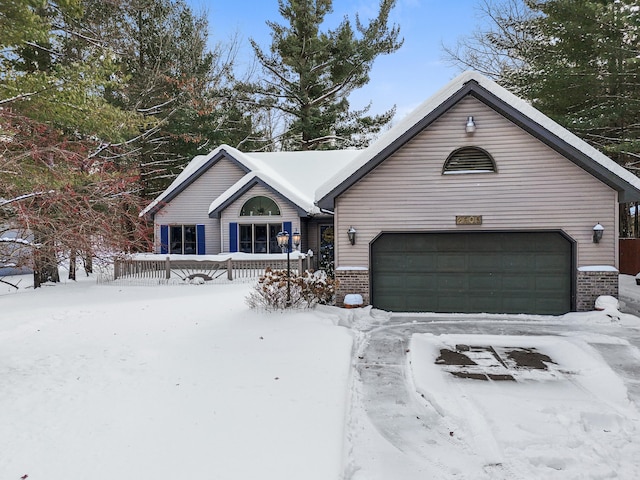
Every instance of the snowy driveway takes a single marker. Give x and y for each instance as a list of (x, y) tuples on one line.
[(411, 418)]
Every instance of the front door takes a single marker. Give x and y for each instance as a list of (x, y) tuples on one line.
[(326, 259)]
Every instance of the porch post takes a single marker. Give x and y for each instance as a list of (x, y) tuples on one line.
[(230, 269)]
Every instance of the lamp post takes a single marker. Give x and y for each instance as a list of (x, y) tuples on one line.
[(296, 239), (283, 243)]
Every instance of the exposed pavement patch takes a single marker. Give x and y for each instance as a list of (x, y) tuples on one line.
[(485, 362)]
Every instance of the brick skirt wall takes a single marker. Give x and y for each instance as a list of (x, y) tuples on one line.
[(352, 281), (592, 284)]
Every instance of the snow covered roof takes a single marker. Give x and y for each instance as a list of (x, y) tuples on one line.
[(312, 180), (295, 175), (301, 201), (512, 107)]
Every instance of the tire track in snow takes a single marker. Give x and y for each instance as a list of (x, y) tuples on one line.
[(386, 405)]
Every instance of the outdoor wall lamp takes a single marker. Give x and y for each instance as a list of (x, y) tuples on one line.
[(598, 231), (351, 233), (470, 127)]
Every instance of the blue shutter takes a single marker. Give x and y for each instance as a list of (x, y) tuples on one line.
[(287, 228), (164, 238), (233, 237), (200, 247)]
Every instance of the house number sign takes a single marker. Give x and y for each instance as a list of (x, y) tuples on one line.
[(468, 219)]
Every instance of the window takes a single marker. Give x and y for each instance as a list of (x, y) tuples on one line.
[(469, 160), (259, 238), (182, 239), (259, 206)]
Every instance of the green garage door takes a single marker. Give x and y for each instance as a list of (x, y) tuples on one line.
[(507, 272)]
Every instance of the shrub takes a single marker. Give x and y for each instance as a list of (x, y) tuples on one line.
[(307, 290)]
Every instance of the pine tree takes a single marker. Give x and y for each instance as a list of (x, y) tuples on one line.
[(309, 74), (173, 79)]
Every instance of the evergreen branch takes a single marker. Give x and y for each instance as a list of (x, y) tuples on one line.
[(20, 96)]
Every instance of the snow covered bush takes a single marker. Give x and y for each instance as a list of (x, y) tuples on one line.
[(305, 291)]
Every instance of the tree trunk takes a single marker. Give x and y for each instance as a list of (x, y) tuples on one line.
[(87, 260), (625, 220), (45, 267), (72, 264)]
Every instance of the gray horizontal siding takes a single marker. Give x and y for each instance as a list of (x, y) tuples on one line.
[(534, 189), (192, 205)]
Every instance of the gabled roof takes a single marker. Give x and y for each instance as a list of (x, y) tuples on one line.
[(294, 175), (504, 102), (246, 183)]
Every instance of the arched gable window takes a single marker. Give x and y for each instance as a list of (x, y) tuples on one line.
[(259, 206), (469, 160)]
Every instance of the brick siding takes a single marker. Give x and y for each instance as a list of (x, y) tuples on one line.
[(592, 284), (352, 281)]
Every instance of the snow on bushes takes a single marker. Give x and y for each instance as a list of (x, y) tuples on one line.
[(306, 290)]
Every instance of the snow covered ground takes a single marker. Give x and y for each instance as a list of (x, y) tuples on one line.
[(115, 382), (103, 382)]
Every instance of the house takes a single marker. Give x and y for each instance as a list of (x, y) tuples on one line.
[(233, 201), (475, 202)]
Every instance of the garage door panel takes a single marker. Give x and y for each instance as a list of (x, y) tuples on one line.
[(449, 282), (518, 283), (517, 303), (519, 242), (418, 243), (419, 282), (485, 282), (451, 262), (549, 306), (505, 272), (421, 262), (480, 304), (389, 281), (388, 262), (478, 243), (449, 303), (389, 298), (517, 262), (551, 263), (424, 304), (451, 244), (551, 284), (489, 262)]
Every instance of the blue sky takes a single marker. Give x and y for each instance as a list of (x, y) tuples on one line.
[(405, 78)]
